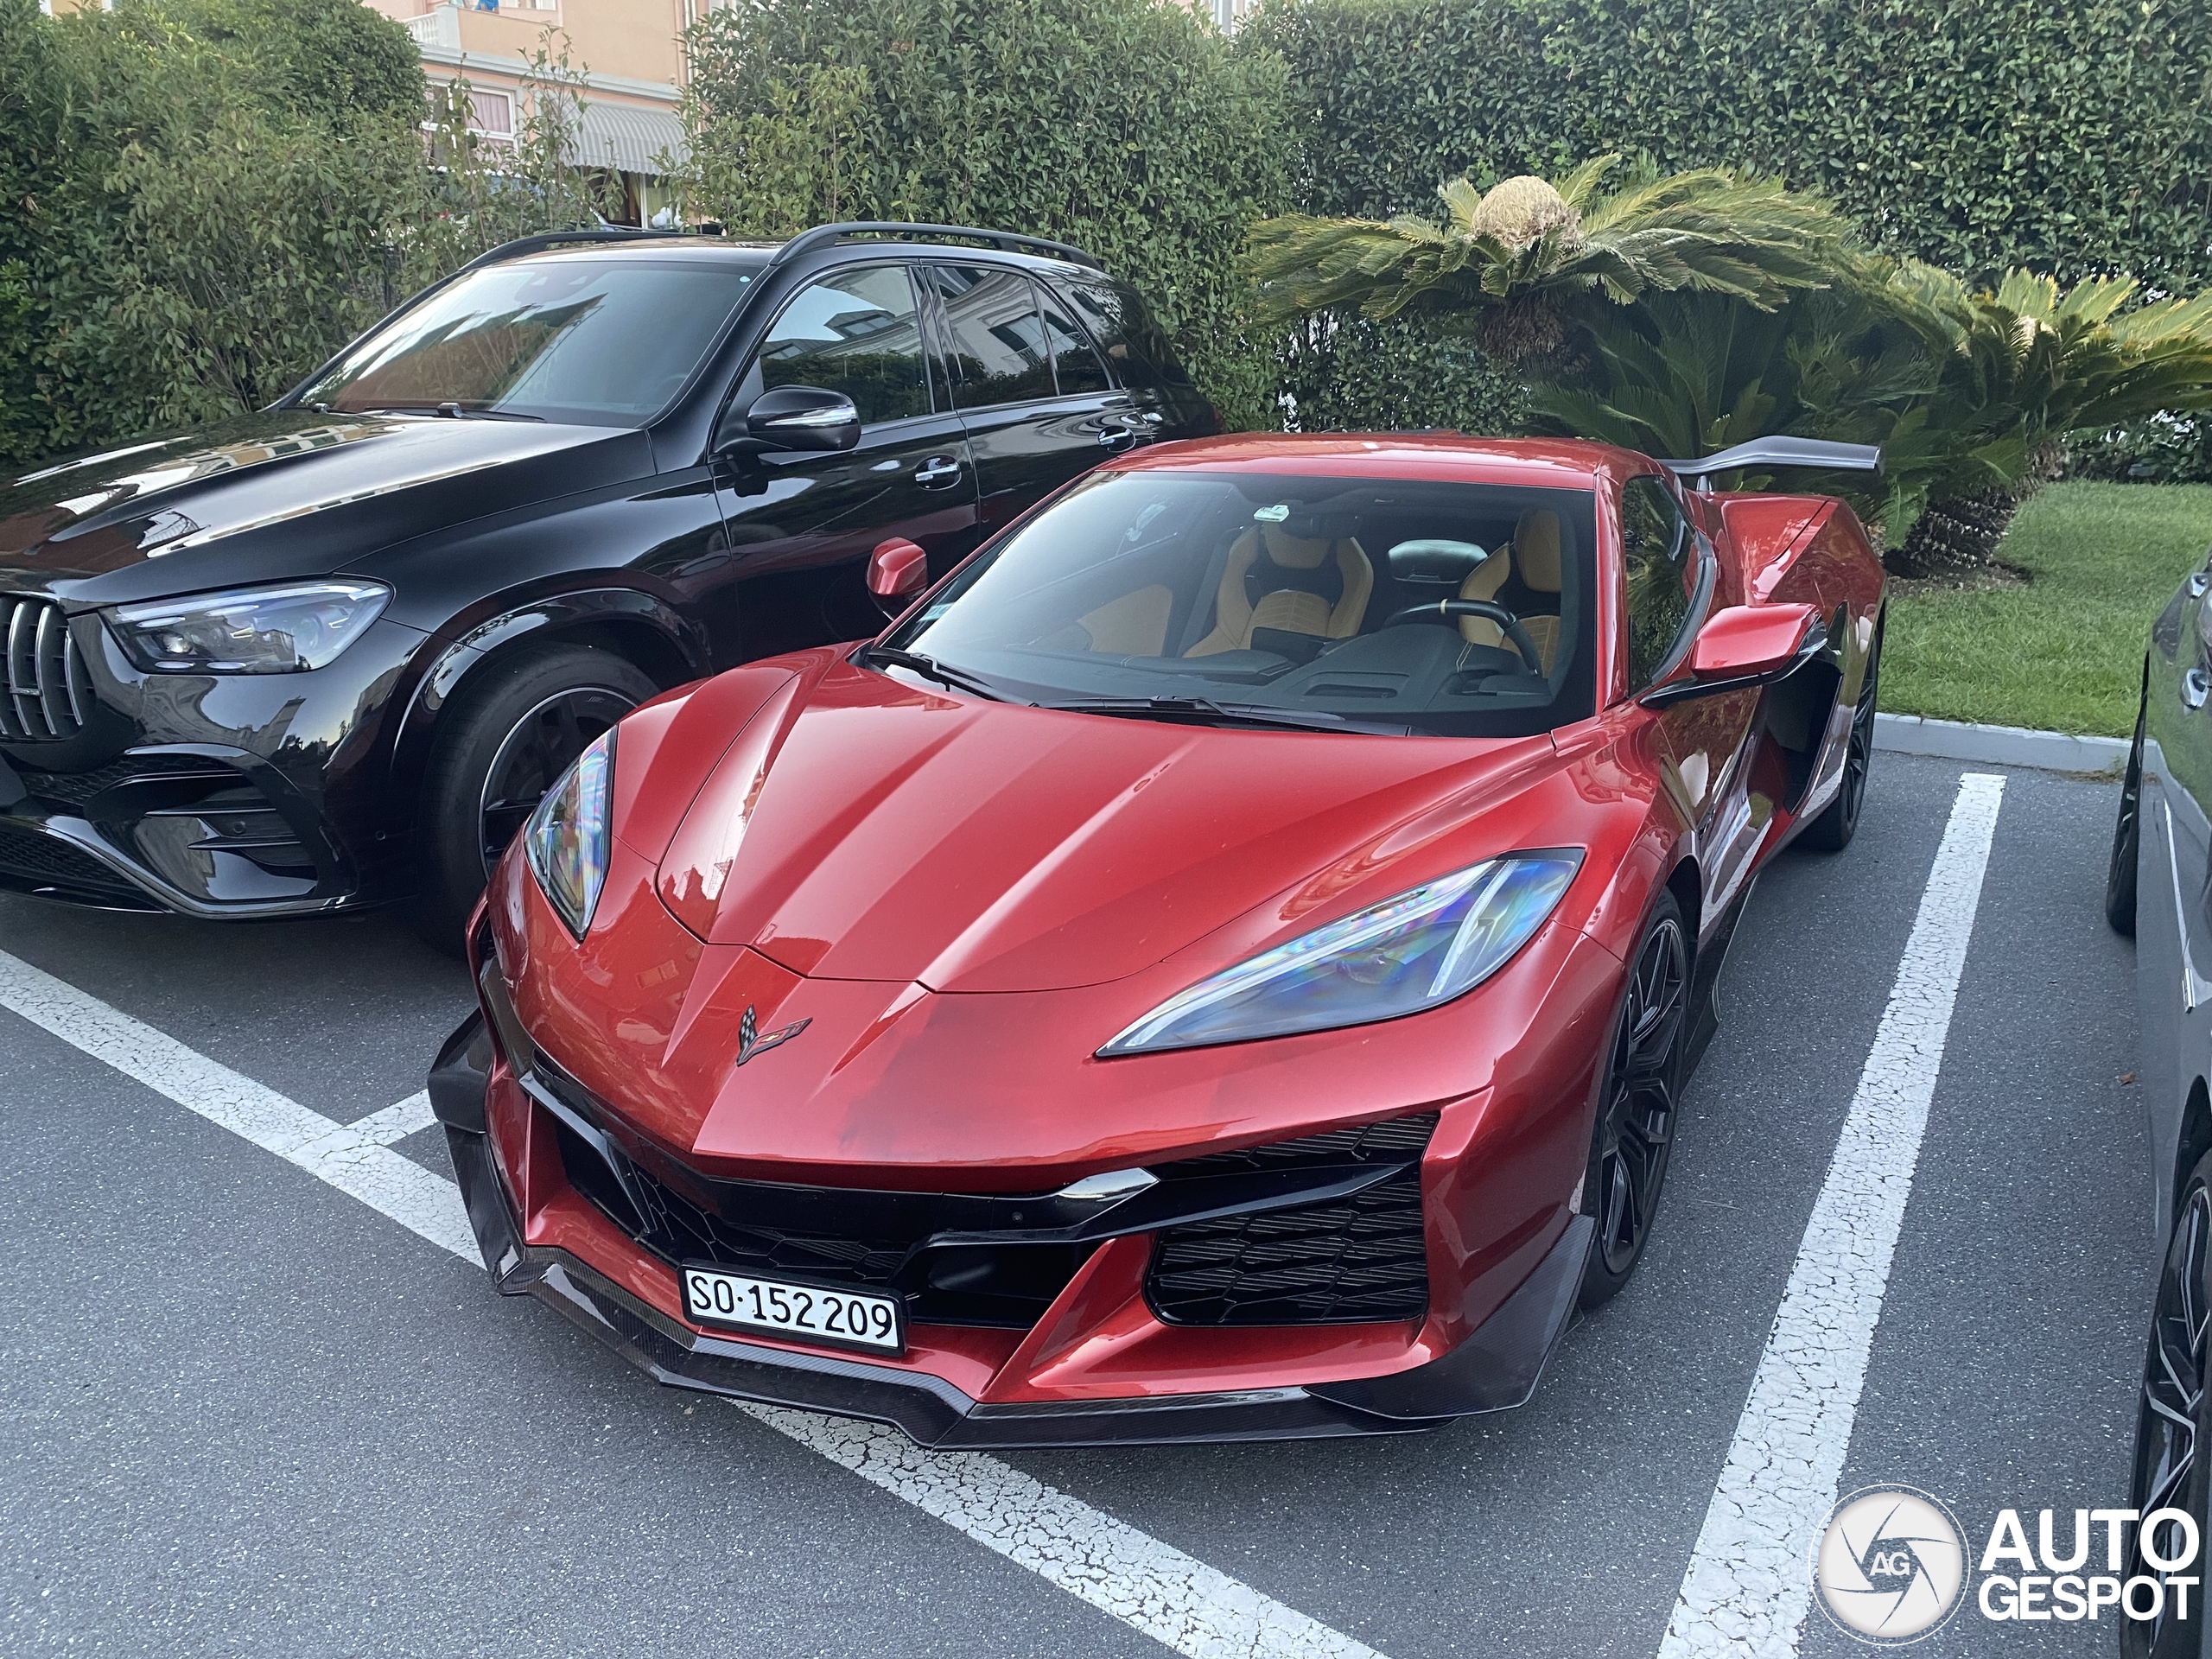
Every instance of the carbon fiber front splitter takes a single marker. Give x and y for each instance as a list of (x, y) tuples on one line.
[(1496, 1368)]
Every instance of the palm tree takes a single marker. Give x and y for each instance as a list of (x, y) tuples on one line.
[(2028, 363), (1519, 263), (1970, 393)]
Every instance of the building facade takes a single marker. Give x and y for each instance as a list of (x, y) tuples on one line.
[(626, 56)]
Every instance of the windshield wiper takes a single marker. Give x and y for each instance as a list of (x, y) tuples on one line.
[(1209, 711), (930, 668), (453, 411)]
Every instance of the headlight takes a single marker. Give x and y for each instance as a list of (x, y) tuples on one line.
[(1426, 946), (250, 630), (566, 837)]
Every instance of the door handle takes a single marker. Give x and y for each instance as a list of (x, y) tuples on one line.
[(2196, 687), (938, 471), (2198, 582), (1116, 437)]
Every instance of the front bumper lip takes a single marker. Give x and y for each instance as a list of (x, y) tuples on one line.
[(929, 1410), (1496, 1368), (146, 890), (120, 877)]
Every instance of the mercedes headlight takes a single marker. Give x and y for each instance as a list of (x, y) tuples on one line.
[(567, 836), (1428, 945), (249, 630)]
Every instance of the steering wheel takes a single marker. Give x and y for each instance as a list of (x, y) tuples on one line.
[(1450, 610)]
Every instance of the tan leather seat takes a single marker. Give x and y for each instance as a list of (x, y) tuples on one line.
[(1535, 550), (1292, 609)]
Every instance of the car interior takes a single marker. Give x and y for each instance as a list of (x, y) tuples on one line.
[(1372, 598)]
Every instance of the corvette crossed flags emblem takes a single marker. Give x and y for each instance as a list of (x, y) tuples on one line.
[(750, 1042)]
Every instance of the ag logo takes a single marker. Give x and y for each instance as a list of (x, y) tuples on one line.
[(1890, 1565)]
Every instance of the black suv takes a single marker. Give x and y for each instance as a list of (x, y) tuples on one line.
[(333, 653)]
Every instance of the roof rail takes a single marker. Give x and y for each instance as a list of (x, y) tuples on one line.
[(823, 235), (1781, 452), (544, 239)]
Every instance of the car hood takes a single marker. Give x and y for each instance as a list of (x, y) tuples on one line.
[(859, 829), (225, 503)]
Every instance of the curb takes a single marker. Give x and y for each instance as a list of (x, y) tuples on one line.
[(1998, 746)]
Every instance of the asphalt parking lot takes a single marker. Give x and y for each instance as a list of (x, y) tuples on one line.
[(246, 1414)]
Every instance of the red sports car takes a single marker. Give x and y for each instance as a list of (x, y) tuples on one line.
[(1222, 965)]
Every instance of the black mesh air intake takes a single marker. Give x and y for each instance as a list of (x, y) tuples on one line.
[(1355, 1261)]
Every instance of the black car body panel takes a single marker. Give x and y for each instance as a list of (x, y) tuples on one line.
[(231, 794)]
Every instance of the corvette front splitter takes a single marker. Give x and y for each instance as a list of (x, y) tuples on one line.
[(1494, 1370)]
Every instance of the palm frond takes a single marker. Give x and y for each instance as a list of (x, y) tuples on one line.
[(1710, 229)]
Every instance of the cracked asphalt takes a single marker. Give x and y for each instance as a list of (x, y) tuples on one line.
[(241, 1413)]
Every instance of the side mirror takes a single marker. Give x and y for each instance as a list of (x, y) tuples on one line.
[(1746, 645), (806, 418), (897, 570)]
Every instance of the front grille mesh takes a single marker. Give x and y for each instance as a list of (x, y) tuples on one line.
[(47, 696), (1360, 1260), (681, 1231), (44, 861)]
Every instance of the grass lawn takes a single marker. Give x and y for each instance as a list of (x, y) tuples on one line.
[(2062, 652)]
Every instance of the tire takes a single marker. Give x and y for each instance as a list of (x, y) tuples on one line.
[(1831, 831), (2170, 1465), (2127, 834), (513, 735), (1634, 1134)]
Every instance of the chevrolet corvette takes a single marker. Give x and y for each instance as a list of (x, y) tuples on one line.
[(1223, 964)]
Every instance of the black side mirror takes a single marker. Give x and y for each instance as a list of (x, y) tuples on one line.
[(791, 418)]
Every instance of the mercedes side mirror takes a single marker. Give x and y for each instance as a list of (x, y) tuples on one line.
[(803, 418), (897, 570), (1746, 645)]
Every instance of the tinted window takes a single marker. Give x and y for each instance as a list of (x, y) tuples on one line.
[(856, 332), (1286, 592), (1660, 556), (994, 335), (1075, 361), (601, 341), (1134, 342)]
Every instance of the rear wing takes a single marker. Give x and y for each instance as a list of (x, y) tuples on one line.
[(1762, 452)]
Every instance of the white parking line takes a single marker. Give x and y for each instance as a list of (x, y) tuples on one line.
[(1749, 1583), (1149, 1586), (355, 1164), (1153, 1586), (397, 1121)]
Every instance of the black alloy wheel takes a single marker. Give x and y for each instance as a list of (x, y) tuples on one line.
[(540, 746), (1634, 1130), (2169, 1424), (1831, 831), (2128, 833), (508, 742)]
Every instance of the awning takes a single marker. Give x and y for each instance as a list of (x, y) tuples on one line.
[(627, 138)]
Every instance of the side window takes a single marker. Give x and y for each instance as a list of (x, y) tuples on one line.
[(856, 332), (1660, 556), (1118, 320), (1074, 359), (994, 335)]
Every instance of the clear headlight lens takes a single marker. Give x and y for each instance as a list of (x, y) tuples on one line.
[(249, 630), (1423, 948), (567, 836)]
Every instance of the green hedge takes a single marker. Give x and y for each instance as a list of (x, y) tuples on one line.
[(202, 199), (1974, 134), (1127, 126)]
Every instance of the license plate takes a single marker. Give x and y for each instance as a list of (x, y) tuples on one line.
[(845, 1319)]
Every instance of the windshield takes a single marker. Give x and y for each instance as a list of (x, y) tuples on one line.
[(602, 342), (1397, 605)]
